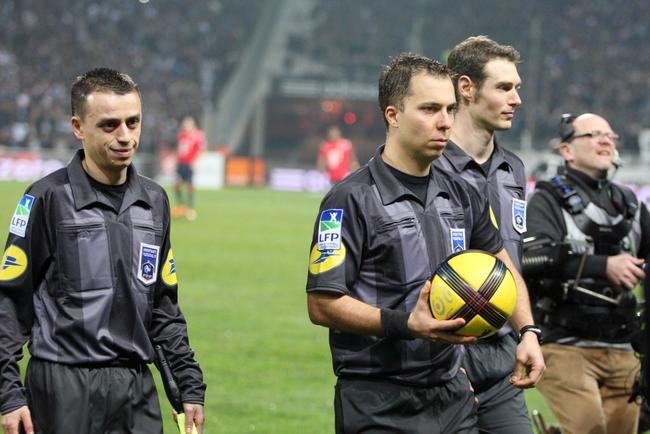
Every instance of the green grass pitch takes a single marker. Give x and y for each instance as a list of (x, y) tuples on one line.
[(241, 269)]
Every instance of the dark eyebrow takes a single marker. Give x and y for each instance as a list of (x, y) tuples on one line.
[(107, 121), (437, 104), (431, 104)]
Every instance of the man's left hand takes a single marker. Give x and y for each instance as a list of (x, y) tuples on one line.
[(530, 362), (193, 416)]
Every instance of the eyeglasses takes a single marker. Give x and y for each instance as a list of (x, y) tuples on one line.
[(598, 135)]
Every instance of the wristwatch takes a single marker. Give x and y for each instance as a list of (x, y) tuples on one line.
[(531, 328)]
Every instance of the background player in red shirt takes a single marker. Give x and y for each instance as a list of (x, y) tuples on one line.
[(189, 144), (336, 156)]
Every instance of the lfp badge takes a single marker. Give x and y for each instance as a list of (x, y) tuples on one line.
[(329, 229), (148, 264), (19, 221)]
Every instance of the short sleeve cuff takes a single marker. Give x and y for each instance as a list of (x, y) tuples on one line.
[(333, 290)]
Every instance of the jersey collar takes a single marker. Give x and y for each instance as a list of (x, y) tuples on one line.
[(84, 194), (460, 160), (390, 189)]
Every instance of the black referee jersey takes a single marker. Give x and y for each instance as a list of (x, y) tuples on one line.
[(90, 284), (504, 185), (376, 242)]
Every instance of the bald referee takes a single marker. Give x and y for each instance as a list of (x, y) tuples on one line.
[(88, 278)]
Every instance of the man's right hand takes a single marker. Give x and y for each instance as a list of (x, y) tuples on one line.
[(12, 421), (423, 325), (625, 270)]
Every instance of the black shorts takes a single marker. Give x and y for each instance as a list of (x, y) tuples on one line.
[(185, 172), (376, 406), (66, 399)]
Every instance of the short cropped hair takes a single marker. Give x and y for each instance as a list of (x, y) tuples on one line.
[(99, 80), (470, 57), (395, 79)]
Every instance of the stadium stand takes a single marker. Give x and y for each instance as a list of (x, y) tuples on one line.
[(593, 55), (585, 55), (178, 54)]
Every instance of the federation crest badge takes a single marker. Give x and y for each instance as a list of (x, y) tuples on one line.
[(148, 263), (519, 215), (329, 229), (457, 239), (19, 221)]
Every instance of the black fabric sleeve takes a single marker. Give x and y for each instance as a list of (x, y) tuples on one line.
[(484, 235), (644, 248), (169, 329), (544, 217), (337, 274), (27, 255)]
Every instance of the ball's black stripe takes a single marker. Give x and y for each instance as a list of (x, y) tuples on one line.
[(492, 283), (474, 302), (481, 306), (487, 290), (464, 291)]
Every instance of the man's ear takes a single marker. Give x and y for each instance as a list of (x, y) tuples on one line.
[(75, 122), (566, 151), (391, 113), (466, 88)]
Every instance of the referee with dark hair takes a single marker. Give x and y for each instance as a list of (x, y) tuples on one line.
[(88, 278), (379, 237), (487, 83)]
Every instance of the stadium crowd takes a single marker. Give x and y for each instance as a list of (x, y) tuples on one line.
[(593, 55), (43, 44), (587, 54)]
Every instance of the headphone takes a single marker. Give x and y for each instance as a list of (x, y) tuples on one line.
[(567, 130)]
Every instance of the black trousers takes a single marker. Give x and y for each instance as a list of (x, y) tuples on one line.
[(67, 399), (372, 406)]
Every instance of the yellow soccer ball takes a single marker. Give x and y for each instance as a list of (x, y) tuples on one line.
[(476, 286)]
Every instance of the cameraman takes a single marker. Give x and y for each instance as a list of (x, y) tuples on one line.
[(589, 234)]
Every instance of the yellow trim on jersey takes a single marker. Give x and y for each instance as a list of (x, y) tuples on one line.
[(320, 262), (493, 218), (168, 273), (13, 263)]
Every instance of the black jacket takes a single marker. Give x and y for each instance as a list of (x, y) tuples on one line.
[(88, 284)]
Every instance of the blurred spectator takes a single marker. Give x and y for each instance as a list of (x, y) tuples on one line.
[(581, 45), (336, 156), (184, 66), (189, 144), (43, 44)]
